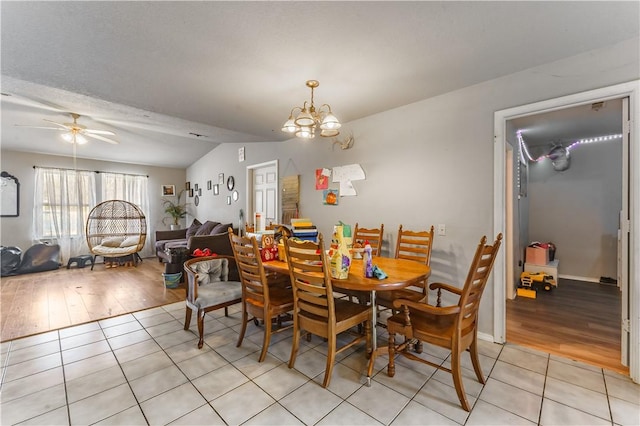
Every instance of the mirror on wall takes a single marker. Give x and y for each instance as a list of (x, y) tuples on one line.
[(10, 198)]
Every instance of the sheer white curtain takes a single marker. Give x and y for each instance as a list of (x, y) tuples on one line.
[(62, 202), (131, 188)]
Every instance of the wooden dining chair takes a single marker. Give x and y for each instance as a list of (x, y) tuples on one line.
[(450, 327), (264, 297), (373, 235), (316, 310), (410, 245)]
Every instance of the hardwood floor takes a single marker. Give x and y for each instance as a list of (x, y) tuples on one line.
[(39, 302), (578, 320)]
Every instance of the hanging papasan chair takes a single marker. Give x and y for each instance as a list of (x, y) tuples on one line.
[(116, 229)]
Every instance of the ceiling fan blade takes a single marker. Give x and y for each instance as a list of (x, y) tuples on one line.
[(102, 138), (98, 132), (62, 126), (36, 127)]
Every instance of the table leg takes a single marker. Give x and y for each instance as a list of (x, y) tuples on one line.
[(374, 337)]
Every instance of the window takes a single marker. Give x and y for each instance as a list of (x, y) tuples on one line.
[(62, 202)]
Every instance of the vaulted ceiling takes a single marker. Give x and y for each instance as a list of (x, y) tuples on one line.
[(175, 79)]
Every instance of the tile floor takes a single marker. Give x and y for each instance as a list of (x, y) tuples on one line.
[(143, 368)]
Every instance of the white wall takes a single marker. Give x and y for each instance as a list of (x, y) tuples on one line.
[(427, 163), (17, 231), (578, 209)]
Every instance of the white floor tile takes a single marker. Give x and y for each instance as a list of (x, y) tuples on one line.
[(624, 412), (571, 373), (157, 382), (487, 414), (204, 415), (577, 397), (242, 403), (32, 405), (347, 414), (379, 401), (101, 406), (417, 414), (510, 398), (554, 413), (310, 403), (274, 415), (218, 382), (172, 404)]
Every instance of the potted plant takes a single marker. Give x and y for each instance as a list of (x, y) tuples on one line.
[(175, 210)]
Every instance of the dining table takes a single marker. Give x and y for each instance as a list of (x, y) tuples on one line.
[(400, 273)]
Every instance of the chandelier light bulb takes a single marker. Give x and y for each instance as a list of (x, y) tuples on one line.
[(68, 137)]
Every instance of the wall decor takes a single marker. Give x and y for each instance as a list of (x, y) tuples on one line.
[(196, 200), (200, 192), (168, 190), (229, 199), (235, 195), (10, 200), (187, 186), (208, 185), (216, 189), (196, 187), (241, 154), (330, 197), (220, 178), (231, 183), (191, 192)]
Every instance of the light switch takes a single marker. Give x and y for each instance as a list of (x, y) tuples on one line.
[(442, 229)]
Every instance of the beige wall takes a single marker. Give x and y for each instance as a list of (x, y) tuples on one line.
[(427, 163)]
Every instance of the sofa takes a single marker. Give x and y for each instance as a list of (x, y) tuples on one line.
[(212, 235)]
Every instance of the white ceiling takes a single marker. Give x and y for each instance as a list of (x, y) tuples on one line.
[(154, 72)]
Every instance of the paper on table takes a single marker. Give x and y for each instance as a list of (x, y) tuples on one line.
[(347, 189)]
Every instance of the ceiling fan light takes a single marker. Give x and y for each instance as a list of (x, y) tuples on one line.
[(80, 140), (68, 137)]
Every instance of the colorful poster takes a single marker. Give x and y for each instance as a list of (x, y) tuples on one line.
[(330, 196), (322, 178)]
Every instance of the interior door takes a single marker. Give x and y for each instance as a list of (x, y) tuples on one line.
[(264, 192), (624, 235)]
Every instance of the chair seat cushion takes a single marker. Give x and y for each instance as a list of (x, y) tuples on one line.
[(217, 293)]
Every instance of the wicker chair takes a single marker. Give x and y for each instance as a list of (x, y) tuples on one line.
[(116, 229)]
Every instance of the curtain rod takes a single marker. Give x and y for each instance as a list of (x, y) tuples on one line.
[(95, 171)]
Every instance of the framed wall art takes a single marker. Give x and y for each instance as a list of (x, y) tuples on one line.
[(168, 190), (10, 190)]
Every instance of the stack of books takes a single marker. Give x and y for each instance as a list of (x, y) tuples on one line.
[(304, 229)]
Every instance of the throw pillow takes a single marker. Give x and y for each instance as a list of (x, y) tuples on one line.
[(212, 270), (220, 228), (112, 241), (130, 241), (195, 225), (206, 228)]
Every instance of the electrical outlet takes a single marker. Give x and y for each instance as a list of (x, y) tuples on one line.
[(442, 229)]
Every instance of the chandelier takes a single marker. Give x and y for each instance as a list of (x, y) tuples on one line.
[(308, 119)]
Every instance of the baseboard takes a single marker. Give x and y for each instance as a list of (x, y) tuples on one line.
[(576, 278), (485, 336)]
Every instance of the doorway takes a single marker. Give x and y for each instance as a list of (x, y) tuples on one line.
[(630, 90), (262, 187)]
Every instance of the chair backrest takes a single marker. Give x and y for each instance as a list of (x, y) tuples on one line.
[(479, 272), (373, 235), (195, 274), (415, 245), (255, 289), (312, 290), (117, 218)]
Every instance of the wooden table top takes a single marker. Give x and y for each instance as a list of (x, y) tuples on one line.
[(400, 273)]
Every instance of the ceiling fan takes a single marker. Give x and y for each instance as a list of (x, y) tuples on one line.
[(75, 133)]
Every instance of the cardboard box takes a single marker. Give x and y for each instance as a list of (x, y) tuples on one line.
[(537, 255)]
